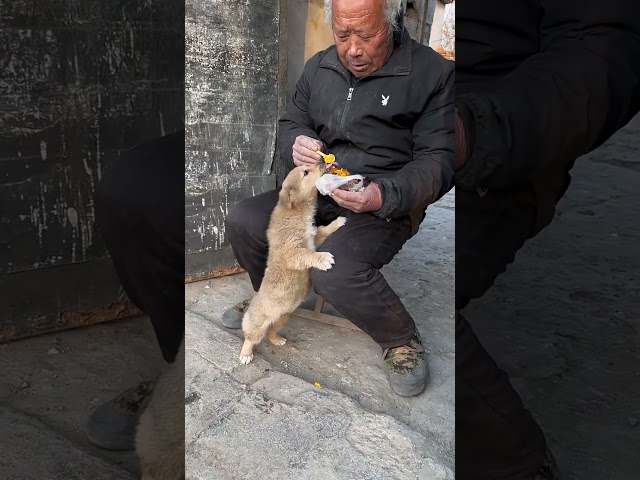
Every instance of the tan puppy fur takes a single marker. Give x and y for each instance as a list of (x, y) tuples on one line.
[(160, 435), (292, 252)]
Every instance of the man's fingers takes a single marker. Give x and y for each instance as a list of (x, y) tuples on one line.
[(351, 206), (305, 155), (308, 147), (343, 203), (349, 200), (306, 152), (309, 143), (346, 196), (299, 159)]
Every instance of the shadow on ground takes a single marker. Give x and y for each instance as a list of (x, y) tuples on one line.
[(51, 383)]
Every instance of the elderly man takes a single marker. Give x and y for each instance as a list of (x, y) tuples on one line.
[(384, 105)]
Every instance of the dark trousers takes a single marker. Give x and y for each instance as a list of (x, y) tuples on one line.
[(496, 437), (354, 286), (140, 213)]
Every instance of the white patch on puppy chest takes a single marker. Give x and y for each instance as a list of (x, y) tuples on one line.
[(309, 236)]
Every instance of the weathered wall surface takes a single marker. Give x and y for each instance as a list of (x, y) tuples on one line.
[(79, 82), (308, 34), (231, 112)]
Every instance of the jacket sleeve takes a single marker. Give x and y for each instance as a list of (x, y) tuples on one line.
[(563, 102), (296, 120), (430, 174)]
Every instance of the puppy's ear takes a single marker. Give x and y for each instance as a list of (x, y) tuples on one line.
[(286, 195)]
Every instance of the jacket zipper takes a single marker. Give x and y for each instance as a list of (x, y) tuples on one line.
[(347, 106)]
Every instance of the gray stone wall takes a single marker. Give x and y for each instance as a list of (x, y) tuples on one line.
[(231, 112), (80, 81)]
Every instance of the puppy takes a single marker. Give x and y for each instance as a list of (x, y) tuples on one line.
[(160, 434), (292, 242)]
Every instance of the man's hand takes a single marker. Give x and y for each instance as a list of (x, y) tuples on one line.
[(305, 151), (367, 200)]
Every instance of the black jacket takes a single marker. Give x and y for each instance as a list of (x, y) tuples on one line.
[(396, 126), (541, 82)]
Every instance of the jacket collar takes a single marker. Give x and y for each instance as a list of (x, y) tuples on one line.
[(399, 62)]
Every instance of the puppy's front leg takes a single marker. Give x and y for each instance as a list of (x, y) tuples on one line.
[(254, 330), (325, 230), (246, 354), (304, 259)]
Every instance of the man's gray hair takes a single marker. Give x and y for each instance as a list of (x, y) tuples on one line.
[(390, 10)]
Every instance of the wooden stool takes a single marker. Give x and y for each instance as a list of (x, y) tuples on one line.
[(319, 316)]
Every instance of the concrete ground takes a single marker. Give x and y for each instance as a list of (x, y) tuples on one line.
[(51, 383), (563, 321), (268, 417)]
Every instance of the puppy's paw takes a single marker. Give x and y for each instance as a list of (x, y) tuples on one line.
[(277, 340), (246, 359), (340, 221), (325, 260)]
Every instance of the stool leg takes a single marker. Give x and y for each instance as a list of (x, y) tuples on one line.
[(319, 304), (317, 315)]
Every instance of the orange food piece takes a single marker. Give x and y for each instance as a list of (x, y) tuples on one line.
[(343, 172)]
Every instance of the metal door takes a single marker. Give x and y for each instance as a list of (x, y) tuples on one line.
[(79, 82), (233, 70)]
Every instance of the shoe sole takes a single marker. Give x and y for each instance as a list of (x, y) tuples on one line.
[(232, 319), (409, 385), (100, 435)]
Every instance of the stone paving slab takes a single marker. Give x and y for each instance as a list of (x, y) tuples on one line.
[(32, 450), (50, 384), (246, 419)]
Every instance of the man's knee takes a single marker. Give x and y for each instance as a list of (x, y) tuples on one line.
[(247, 219), (340, 279)]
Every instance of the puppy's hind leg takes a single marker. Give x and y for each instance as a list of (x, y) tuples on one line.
[(272, 333), (255, 328)]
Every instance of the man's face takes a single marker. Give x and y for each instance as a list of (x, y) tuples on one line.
[(361, 35)]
